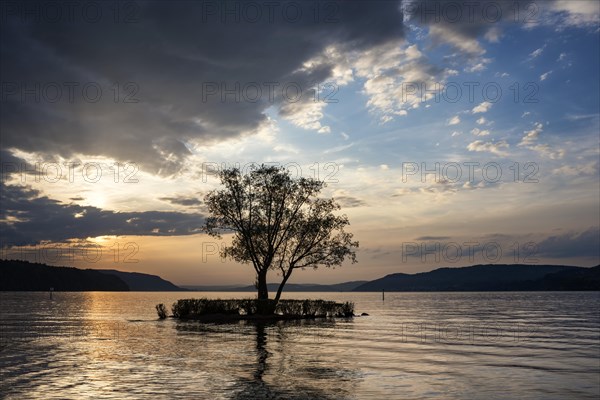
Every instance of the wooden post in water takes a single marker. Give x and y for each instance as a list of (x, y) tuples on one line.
[(383, 294), (51, 291)]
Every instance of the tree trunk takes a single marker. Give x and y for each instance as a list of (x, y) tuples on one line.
[(264, 306), (281, 285), (261, 285)]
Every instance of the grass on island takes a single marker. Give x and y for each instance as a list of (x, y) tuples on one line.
[(237, 309)]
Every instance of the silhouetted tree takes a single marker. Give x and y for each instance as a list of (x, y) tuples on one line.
[(278, 223)]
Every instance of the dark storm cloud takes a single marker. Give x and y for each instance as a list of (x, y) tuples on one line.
[(430, 238), (27, 218), (182, 200), (157, 64), (572, 244), (11, 164), (575, 244), (350, 201)]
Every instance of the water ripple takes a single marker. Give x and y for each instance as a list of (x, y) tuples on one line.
[(413, 345)]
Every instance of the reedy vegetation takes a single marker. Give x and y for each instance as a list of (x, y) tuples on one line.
[(194, 308)]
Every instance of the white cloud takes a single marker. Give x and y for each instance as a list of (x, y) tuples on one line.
[(576, 13), (491, 147), (526, 113), (530, 141), (579, 117), (590, 168), (471, 186), (385, 119), (479, 66), (531, 136), (481, 121), (545, 76), (482, 108), (476, 68), (341, 73), (384, 167), (493, 34), (456, 133), (444, 33), (547, 151), (306, 114), (454, 120), (372, 62), (536, 53), (337, 149), (397, 78), (412, 52), (479, 132), (286, 149), (562, 56)]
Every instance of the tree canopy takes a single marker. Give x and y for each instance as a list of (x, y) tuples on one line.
[(278, 223)]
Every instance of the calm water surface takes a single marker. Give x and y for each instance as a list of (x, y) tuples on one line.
[(412, 345)]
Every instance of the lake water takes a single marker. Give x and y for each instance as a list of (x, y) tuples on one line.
[(412, 345)]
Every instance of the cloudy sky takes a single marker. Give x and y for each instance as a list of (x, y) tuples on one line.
[(453, 133)]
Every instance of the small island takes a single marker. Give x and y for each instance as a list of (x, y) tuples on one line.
[(217, 310)]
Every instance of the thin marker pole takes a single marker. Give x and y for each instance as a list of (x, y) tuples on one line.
[(383, 294)]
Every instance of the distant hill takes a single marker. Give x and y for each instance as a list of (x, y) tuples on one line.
[(290, 287), (494, 277), (579, 279), (139, 282), (26, 276)]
